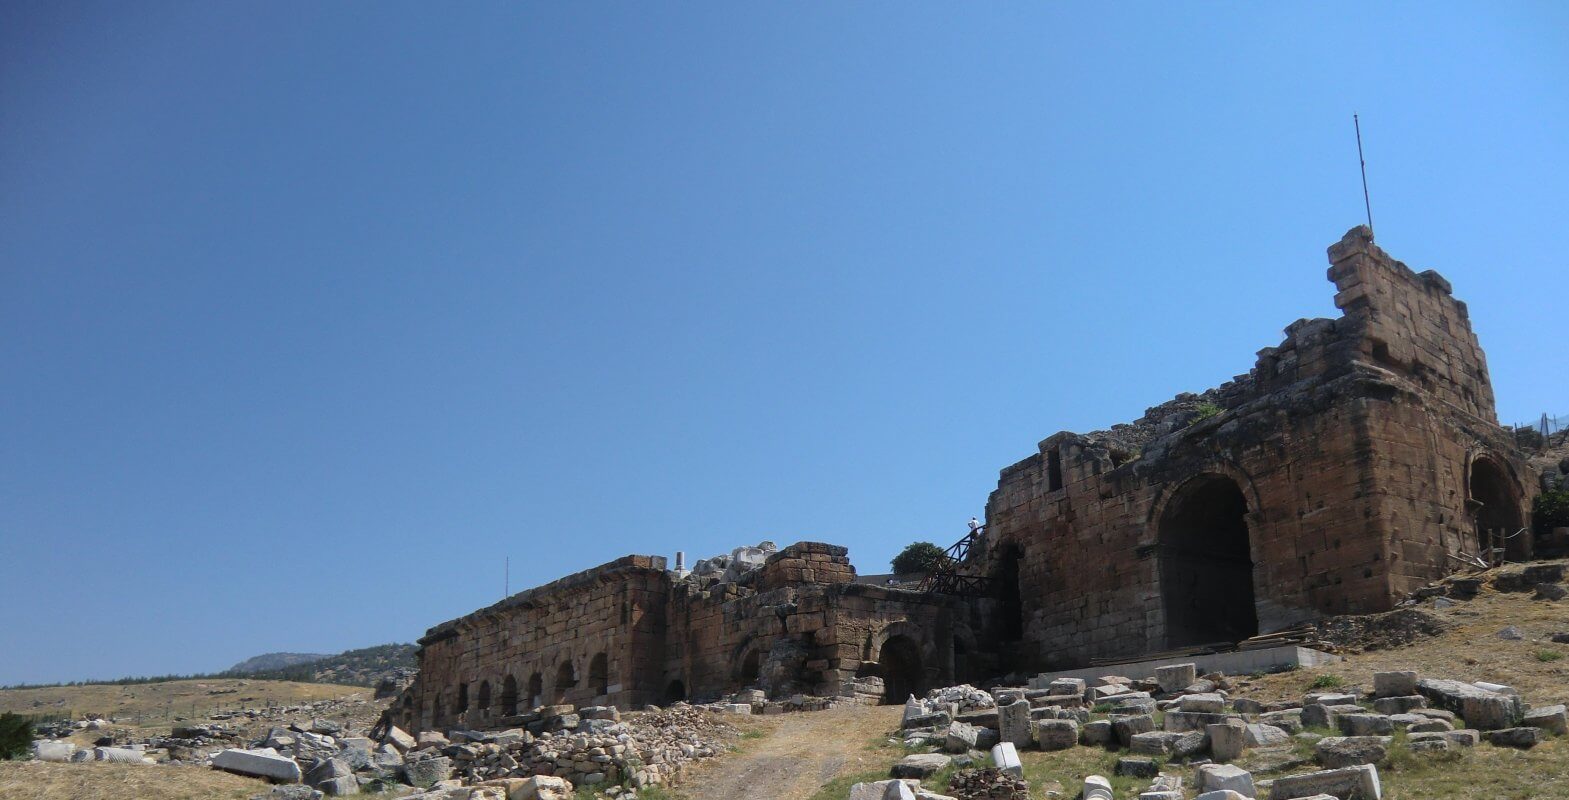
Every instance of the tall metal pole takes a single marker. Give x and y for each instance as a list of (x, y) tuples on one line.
[(1363, 161)]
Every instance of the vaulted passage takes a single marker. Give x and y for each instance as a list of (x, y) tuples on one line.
[(536, 690), (509, 696), (1206, 569), (900, 662), (1497, 510)]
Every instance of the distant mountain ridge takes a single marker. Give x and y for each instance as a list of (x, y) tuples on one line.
[(367, 666), (268, 661)]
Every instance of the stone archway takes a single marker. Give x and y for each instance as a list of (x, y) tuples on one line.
[(675, 692), (903, 673), (1206, 563), (536, 690), (509, 696), (566, 680), (1496, 510)]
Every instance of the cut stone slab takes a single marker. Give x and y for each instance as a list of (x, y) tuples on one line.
[(1057, 734), (1174, 677), (1351, 783), (544, 787), (264, 763), (1153, 743), (1365, 725), (426, 772), (1259, 735), (1203, 703), (1222, 794), (1137, 767), (1127, 726), (1006, 758), (1394, 684), (1335, 752), (53, 750), (1097, 732), (960, 738), (1549, 718), (1522, 738), (1227, 740), (921, 765), (1013, 723), (882, 790), (1067, 687), (1401, 704), (1480, 707), (1214, 777), (399, 738), (119, 755)]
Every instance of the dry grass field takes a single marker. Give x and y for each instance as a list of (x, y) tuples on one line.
[(34, 780), (169, 699)]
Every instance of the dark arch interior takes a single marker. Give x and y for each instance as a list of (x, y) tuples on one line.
[(536, 690), (900, 662), (1496, 509), (750, 668), (509, 696), (1010, 605), (463, 698), (484, 695), (1206, 568), (566, 678), (675, 692), (599, 675)]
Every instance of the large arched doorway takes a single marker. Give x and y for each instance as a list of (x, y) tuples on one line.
[(900, 665), (599, 675), (509, 696), (1496, 511), (675, 692), (536, 690), (1005, 588), (1206, 566), (751, 669), (566, 680)]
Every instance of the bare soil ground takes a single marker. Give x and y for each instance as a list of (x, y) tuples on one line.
[(791, 756), (36, 780)]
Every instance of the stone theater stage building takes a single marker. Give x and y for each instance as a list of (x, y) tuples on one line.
[(1358, 460)]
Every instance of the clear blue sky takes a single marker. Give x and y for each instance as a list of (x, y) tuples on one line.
[(313, 312)]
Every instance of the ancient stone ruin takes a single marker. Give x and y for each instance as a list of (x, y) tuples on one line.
[(1357, 461)]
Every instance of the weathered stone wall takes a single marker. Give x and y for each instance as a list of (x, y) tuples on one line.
[(797, 624), (1351, 445), (591, 638)]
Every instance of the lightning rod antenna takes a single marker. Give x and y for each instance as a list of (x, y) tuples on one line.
[(1363, 161)]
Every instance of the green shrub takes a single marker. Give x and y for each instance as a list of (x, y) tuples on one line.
[(1545, 655), (917, 558), (1204, 411), (1551, 510), (1327, 682), (16, 735)]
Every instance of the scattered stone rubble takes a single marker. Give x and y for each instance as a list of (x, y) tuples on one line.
[(1203, 725), (554, 750)]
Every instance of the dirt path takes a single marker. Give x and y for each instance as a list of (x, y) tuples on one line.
[(795, 756)]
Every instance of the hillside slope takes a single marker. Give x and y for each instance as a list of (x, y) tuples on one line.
[(270, 661)]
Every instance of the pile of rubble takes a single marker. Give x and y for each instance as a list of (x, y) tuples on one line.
[(560, 746), (988, 784), (1202, 724)]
